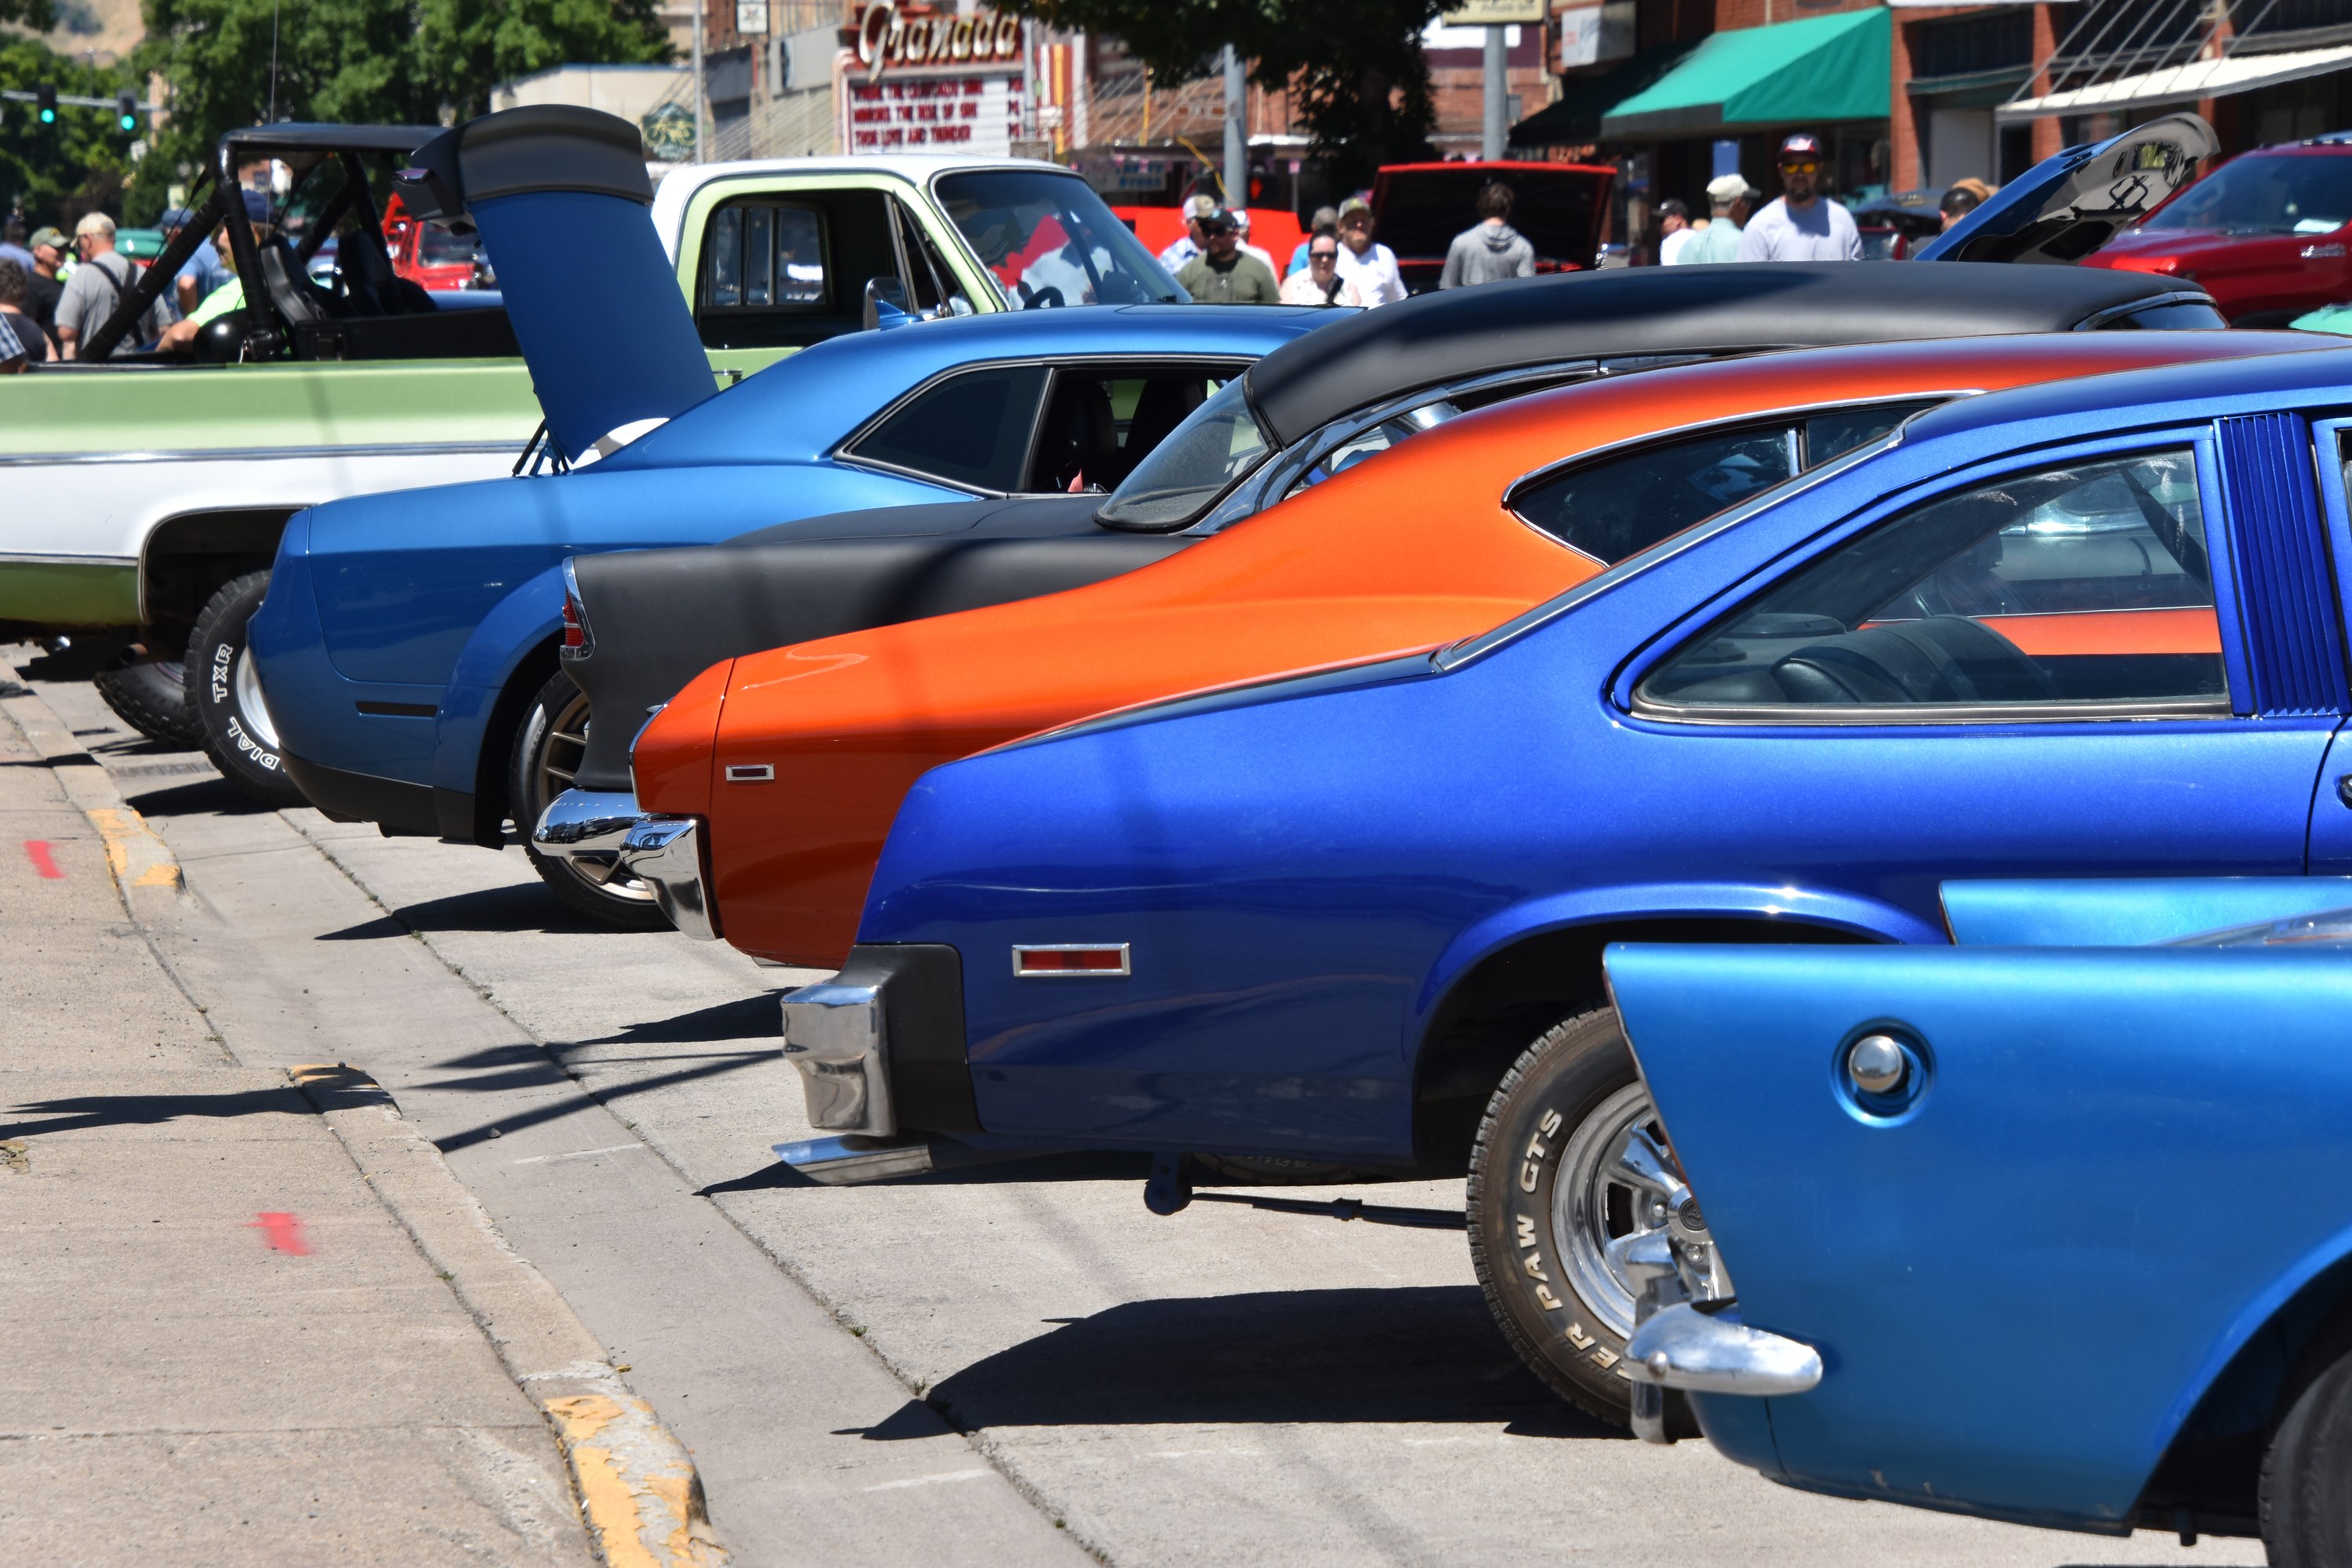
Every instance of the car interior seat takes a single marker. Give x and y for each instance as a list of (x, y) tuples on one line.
[(1165, 403), (1080, 447), (1944, 659)]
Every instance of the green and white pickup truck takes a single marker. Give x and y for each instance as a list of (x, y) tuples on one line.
[(143, 486)]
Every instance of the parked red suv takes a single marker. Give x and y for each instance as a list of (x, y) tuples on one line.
[(2266, 234)]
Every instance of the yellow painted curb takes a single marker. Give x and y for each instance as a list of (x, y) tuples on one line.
[(136, 856), (638, 1490)]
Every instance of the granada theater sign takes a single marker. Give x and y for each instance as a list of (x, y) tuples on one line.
[(927, 79)]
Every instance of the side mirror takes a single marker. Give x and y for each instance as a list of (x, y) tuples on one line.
[(886, 304)]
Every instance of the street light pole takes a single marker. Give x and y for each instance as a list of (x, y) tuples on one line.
[(1236, 133), (698, 4), (1498, 87)]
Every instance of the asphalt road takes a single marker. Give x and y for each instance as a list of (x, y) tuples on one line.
[(1016, 1363)]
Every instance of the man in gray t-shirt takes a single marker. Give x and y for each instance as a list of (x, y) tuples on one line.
[(1803, 225), (97, 286)]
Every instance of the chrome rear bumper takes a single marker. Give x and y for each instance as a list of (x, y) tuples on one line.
[(665, 852), (834, 1035)]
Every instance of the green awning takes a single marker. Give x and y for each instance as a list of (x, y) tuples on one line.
[(1810, 72), (1574, 121)]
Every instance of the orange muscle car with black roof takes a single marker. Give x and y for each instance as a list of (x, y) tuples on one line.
[(771, 779)]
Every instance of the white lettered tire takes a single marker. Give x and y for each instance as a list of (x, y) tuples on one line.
[(225, 695), (1545, 1195)]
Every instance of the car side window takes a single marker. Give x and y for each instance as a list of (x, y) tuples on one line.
[(1619, 504), (2086, 585), (785, 271), (971, 429), (1099, 422)]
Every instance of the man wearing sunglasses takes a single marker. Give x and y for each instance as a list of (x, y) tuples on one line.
[(1803, 224), (1320, 284)]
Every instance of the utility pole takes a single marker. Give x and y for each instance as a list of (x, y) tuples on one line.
[(698, 6), (1498, 89), (1236, 133)]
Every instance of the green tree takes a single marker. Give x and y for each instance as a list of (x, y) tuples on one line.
[(229, 63), (1361, 79), (54, 173)]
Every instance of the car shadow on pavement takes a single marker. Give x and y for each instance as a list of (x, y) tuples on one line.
[(745, 1018), (1421, 1354), (525, 907), (1077, 1165), (200, 797), (87, 1113)]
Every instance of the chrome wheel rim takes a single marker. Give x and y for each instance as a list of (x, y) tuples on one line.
[(1598, 1200), (250, 705), (554, 761)]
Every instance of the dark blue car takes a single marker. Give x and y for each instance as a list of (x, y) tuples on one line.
[(406, 652), (1357, 917)]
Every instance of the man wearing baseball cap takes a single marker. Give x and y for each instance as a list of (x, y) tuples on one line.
[(1188, 243), (1730, 198), (1223, 274), (1803, 224), (47, 288)]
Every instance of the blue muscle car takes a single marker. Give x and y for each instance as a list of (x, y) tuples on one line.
[(1356, 916), (1973, 1238), (407, 645)]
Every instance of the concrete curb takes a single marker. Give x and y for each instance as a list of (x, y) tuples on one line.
[(144, 868), (637, 1488)]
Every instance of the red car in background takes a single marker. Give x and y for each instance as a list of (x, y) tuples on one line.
[(2266, 233), (428, 255), (1418, 208)]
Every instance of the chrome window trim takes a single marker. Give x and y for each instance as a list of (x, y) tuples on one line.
[(2098, 319), (1455, 656), (1630, 700), (1051, 365), (1780, 717)]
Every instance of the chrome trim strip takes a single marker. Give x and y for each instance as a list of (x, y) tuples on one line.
[(122, 563), (273, 454), (846, 1162), (1917, 715)]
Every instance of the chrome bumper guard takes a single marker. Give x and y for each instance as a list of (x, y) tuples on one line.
[(1676, 1345), (665, 852), (836, 1036)]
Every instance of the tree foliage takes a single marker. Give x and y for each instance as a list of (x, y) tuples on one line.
[(54, 173), (403, 62), (1361, 79)]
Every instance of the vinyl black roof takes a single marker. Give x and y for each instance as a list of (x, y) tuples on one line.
[(312, 137), (1433, 338)]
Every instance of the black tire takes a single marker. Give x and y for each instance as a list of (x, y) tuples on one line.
[(1571, 1092), (2307, 1486), (152, 698), (547, 750), (222, 692)]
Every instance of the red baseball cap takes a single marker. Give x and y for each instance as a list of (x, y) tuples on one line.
[(1801, 146)]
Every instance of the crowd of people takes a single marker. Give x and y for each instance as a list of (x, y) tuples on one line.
[(1803, 223), (55, 293), (1338, 262)]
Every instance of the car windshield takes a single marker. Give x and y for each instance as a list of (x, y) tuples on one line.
[(1217, 444), (436, 246), (1050, 241), (2331, 929), (2293, 192)]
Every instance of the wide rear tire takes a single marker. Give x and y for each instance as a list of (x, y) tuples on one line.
[(224, 691), (2307, 1486)]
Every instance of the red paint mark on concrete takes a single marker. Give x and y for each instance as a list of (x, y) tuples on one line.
[(283, 1232), (44, 861)]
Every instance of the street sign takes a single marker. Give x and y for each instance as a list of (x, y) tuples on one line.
[(1496, 14), (751, 18)]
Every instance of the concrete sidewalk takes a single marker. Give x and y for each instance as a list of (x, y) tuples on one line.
[(222, 1346)]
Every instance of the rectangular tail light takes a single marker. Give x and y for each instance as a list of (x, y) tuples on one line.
[(1050, 959)]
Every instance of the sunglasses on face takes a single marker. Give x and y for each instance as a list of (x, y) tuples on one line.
[(1322, 256), (1801, 166)]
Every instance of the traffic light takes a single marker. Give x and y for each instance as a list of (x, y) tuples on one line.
[(44, 104), (126, 109)]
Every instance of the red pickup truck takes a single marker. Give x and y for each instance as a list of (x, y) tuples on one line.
[(2266, 234)]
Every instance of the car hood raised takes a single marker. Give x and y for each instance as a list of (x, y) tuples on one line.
[(561, 199), (2069, 204)]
